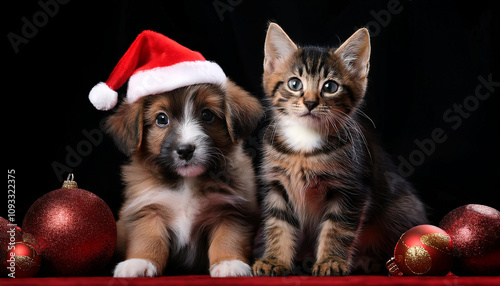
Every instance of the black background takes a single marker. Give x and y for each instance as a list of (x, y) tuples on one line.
[(427, 56)]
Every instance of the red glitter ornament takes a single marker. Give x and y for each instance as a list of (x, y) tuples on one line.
[(9, 235), (422, 250), (475, 231), (75, 231), (23, 260)]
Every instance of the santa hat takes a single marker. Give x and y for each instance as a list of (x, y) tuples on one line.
[(154, 64)]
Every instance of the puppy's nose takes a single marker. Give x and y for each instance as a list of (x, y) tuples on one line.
[(185, 152)]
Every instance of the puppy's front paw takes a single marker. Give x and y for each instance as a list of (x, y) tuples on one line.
[(269, 267), (230, 268), (135, 267), (331, 266)]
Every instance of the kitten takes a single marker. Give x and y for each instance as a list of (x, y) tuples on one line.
[(329, 187)]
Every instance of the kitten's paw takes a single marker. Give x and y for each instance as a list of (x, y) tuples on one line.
[(230, 268), (331, 266), (269, 267), (135, 267)]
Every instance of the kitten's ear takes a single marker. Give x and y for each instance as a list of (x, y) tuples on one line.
[(278, 46), (355, 52)]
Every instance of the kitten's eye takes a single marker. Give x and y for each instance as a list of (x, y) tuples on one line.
[(207, 116), (162, 120), (330, 87), (295, 84)]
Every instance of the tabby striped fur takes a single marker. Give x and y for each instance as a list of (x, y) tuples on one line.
[(330, 190)]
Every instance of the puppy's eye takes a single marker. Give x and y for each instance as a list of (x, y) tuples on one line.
[(207, 116), (294, 84), (162, 120), (330, 87)]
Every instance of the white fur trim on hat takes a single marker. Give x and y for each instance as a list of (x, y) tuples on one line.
[(163, 79), (103, 97)]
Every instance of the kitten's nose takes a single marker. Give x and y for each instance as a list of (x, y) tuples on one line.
[(185, 152), (311, 104)]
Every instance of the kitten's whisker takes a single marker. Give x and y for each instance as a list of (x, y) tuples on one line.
[(273, 125), (350, 125), (366, 116)]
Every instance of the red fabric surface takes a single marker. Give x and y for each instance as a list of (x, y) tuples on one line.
[(194, 280)]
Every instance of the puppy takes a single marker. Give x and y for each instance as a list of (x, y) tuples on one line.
[(190, 190)]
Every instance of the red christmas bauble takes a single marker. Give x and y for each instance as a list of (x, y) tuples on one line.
[(475, 231), (9, 234), (23, 260), (423, 250), (75, 231)]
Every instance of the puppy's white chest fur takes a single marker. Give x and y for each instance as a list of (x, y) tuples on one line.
[(184, 208), (301, 137), (182, 204)]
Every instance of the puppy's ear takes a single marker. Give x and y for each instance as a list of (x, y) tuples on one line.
[(243, 111), (126, 126)]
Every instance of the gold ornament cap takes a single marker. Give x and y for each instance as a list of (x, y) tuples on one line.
[(393, 268), (70, 182)]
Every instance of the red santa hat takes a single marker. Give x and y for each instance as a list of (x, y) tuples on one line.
[(154, 64)]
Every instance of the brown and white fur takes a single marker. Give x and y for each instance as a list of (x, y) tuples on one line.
[(332, 196), (190, 191)]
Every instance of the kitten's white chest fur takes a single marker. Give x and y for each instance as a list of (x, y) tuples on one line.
[(301, 137)]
